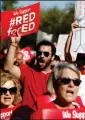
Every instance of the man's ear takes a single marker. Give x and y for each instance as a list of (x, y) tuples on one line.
[(52, 57)]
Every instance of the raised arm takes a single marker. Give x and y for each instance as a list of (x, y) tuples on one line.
[(68, 43), (9, 63)]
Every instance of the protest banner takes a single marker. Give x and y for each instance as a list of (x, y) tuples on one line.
[(27, 54), (61, 45), (78, 39), (24, 20), (67, 114)]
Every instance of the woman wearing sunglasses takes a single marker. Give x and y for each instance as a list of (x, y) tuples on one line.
[(64, 83), (9, 92)]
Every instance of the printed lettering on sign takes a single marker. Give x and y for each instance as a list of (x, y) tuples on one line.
[(27, 55), (68, 114), (24, 20), (4, 115)]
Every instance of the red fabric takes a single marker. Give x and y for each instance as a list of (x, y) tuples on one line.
[(45, 101), (50, 105), (34, 84), (82, 72), (25, 20), (48, 110), (7, 112), (59, 114), (79, 101)]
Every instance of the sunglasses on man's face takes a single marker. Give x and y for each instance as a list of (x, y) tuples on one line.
[(11, 90), (45, 53), (65, 81)]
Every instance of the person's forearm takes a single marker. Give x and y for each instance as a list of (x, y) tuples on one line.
[(10, 56), (68, 42), (67, 47)]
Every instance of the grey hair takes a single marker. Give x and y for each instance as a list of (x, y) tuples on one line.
[(57, 72)]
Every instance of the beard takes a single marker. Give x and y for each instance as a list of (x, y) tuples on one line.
[(42, 64)]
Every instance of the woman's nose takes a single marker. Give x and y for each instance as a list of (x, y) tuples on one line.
[(7, 93), (71, 84)]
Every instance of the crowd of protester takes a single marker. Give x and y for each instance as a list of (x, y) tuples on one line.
[(46, 82)]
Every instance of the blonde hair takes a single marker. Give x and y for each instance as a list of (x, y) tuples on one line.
[(57, 72), (6, 76)]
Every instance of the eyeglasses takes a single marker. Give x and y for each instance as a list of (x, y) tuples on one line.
[(12, 90), (65, 81), (45, 53)]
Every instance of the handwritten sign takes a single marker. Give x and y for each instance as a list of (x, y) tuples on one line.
[(79, 8), (78, 42), (78, 39), (24, 20), (80, 13), (77, 114)]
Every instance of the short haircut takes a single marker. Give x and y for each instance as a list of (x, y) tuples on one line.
[(46, 43), (57, 72)]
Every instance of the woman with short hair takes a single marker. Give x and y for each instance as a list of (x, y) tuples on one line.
[(64, 82)]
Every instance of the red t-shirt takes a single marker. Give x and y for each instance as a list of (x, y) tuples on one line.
[(53, 113), (51, 105), (34, 84), (7, 112), (82, 72), (46, 101), (49, 110)]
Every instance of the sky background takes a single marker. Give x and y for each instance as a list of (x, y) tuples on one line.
[(46, 4)]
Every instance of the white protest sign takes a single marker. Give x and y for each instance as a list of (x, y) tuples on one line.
[(80, 12), (61, 45), (79, 8), (43, 35), (78, 39)]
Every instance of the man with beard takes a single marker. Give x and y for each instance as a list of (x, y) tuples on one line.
[(45, 53), (33, 80)]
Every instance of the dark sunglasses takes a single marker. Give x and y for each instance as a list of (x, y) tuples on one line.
[(68, 80), (52, 66), (12, 90), (46, 54)]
